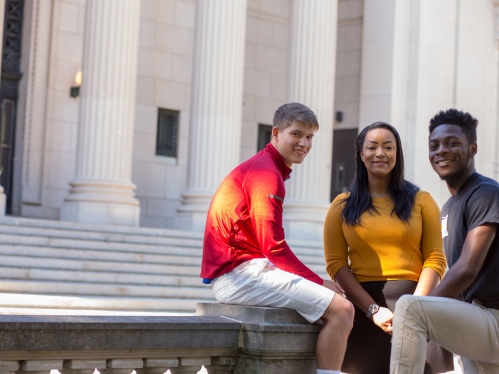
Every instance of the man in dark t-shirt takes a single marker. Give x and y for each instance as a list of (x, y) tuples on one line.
[(462, 313)]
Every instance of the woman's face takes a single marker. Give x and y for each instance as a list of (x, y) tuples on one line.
[(379, 153)]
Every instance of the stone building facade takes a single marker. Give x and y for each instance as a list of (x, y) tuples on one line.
[(175, 93)]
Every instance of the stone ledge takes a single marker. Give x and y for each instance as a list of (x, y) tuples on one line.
[(233, 339)]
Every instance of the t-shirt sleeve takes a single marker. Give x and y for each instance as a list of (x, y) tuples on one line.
[(431, 240), (483, 207), (266, 197), (335, 244)]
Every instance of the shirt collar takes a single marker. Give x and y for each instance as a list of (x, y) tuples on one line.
[(278, 160)]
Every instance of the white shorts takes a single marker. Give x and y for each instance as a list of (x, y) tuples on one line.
[(259, 282)]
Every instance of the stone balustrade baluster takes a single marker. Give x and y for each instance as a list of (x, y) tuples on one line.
[(82, 366), (158, 365), (39, 366), (122, 365), (9, 366)]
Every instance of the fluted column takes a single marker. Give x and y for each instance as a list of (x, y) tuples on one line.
[(215, 128), (311, 82), (102, 191)]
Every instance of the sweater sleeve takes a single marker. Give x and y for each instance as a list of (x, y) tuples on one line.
[(431, 241), (335, 244), (266, 196)]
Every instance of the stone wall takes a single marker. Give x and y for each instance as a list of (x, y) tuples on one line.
[(223, 338)]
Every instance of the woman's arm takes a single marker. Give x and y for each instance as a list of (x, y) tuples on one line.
[(431, 244), (361, 299), (428, 280)]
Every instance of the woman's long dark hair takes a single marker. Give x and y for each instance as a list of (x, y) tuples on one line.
[(401, 192)]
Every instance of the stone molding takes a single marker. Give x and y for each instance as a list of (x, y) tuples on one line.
[(224, 338), (33, 117)]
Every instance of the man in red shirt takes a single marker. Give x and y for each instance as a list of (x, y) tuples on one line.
[(245, 254)]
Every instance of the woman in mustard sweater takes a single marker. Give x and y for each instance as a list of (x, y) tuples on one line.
[(382, 239)]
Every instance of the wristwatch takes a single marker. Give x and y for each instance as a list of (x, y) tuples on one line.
[(373, 309)]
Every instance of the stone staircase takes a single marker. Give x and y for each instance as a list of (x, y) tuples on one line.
[(65, 265)]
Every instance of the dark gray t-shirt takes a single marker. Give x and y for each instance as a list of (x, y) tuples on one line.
[(476, 203)]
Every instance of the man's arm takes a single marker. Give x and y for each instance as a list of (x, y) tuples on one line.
[(462, 274), (266, 196)]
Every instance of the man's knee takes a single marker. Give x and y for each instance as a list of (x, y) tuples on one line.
[(404, 302), (340, 310)]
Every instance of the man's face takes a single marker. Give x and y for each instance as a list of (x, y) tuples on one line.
[(294, 142), (450, 152)]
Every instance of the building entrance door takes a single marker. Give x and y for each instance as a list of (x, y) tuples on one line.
[(343, 160), (9, 92)]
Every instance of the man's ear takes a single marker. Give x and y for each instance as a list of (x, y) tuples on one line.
[(473, 149), (275, 132)]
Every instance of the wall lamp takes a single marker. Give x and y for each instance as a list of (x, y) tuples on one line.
[(75, 90)]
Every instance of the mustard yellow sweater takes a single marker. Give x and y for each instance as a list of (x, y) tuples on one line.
[(384, 247)]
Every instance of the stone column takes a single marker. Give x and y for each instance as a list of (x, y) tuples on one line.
[(311, 80), (215, 127), (102, 191)]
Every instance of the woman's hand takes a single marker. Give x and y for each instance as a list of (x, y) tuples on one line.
[(383, 319), (333, 286)]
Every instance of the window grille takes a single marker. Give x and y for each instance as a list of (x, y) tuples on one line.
[(264, 135), (167, 135)]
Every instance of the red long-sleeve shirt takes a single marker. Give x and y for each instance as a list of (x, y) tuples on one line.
[(245, 219)]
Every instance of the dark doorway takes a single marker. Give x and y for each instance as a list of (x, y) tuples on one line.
[(343, 160), (9, 92)]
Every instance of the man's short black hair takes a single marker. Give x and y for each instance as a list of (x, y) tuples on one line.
[(452, 116)]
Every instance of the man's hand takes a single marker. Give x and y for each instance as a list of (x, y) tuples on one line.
[(383, 319), (333, 286)]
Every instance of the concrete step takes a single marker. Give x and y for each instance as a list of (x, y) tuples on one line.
[(37, 274), (52, 264), (306, 256), (99, 236), (102, 266), (12, 300), (108, 256), (95, 228), (102, 289)]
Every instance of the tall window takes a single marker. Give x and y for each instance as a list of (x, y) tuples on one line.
[(167, 135), (264, 135)]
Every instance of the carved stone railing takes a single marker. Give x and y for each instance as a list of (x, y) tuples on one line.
[(223, 338)]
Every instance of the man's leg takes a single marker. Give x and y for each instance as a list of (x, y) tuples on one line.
[(260, 283), (467, 330), (332, 341)]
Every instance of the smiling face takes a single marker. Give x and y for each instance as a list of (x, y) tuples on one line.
[(451, 155), (379, 153), (294, 142)]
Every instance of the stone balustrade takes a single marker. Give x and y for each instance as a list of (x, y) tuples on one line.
[(223, 338)]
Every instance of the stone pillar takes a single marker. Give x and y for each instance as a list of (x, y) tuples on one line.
[(215, 127), (102, 191), (311, 80)]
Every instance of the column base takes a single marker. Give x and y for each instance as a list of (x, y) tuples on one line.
[(302, 221), (103, 213), (3, 199), (103, 202), (192, 214)]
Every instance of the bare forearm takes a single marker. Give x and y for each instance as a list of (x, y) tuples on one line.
[(455, 281), (428, 280), (354, 291)]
